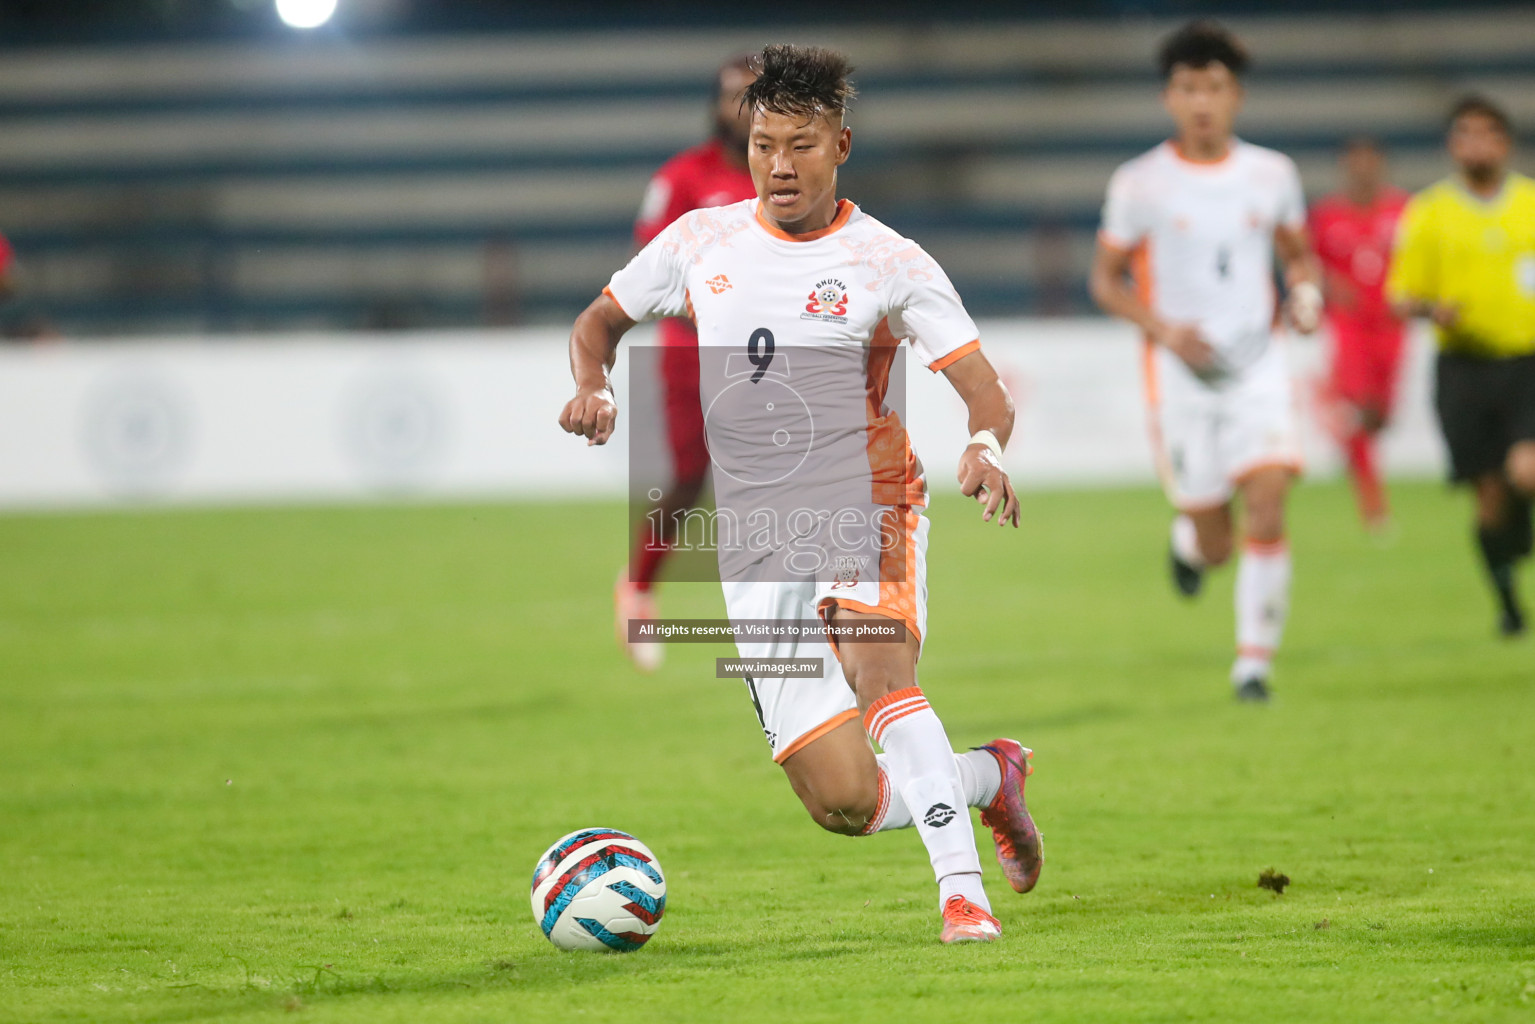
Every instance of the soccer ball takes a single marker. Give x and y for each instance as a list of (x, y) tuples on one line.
[(598, 889)]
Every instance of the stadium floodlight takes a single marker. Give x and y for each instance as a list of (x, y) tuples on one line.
[(305, 13)]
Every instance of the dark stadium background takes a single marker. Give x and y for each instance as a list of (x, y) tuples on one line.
[(173, 218)]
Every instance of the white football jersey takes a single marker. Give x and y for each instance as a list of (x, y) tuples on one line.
[(843, 297), (1203, 238)]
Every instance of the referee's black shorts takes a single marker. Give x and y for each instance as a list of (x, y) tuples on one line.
[(1485, 407)]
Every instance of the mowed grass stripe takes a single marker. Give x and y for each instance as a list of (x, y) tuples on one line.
[(263, 762)]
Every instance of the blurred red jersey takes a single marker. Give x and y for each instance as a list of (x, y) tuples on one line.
[(691, 180), (1354, 245)]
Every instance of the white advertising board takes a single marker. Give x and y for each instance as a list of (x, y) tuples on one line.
[(457, 415)]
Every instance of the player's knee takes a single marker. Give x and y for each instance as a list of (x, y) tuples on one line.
[(846, 814), (1214, 543), (1491, 503), (1216, 550), (1265, 529), (873, 680), (1265, 519), (1521, 468)]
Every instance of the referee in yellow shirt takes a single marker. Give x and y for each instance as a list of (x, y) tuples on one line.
[(1465, 258)]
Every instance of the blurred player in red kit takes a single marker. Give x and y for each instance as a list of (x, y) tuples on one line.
[(1353, 230), (711, 174)]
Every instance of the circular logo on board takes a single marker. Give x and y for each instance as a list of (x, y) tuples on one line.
[(395, 427), (137, 431)]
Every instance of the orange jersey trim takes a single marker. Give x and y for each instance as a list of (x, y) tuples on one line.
[(844, 212), (1109, 242), (1183, 157), (1145, 290), (945, 361), (1140, 273), (609, 293), (895, 471), (810, 737), (1295, 466)]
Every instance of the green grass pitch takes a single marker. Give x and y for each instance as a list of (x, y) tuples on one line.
[(286, 764)]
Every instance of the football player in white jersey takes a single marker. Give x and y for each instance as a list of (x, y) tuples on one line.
[(1186, 252), (800, 300)]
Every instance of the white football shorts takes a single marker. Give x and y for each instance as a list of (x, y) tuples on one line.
[(793, 712), (1209, 438)]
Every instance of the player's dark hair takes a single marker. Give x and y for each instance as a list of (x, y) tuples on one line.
[(1368, 142), (800, 81), (1474, 104), (1200, 44)]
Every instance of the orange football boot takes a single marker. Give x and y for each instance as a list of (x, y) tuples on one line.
[(963, 921), (1020, 848), (630, 602)]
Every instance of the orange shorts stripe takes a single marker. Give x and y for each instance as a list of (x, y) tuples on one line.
[(815, 734), (858, 606), (1295, 466), (898, 595), (1194, 507)]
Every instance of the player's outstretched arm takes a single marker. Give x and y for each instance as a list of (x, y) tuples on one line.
[(593, 348), (981, 475), (1110, 290), (1444, 314), (1303, 277)]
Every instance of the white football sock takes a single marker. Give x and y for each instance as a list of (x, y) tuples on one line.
[(980, 776), (1263, 602), (967, 885), (921, 768), (1186, 541)]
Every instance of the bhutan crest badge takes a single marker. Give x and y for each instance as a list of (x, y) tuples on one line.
[(827, 301)]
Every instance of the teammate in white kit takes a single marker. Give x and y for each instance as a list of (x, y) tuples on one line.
[(800, 301), (1186, 252)]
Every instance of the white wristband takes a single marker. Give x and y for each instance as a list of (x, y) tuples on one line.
[(989, 439), (1306, 305)]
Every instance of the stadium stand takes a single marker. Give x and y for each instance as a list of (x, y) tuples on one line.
[(480, 179)]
